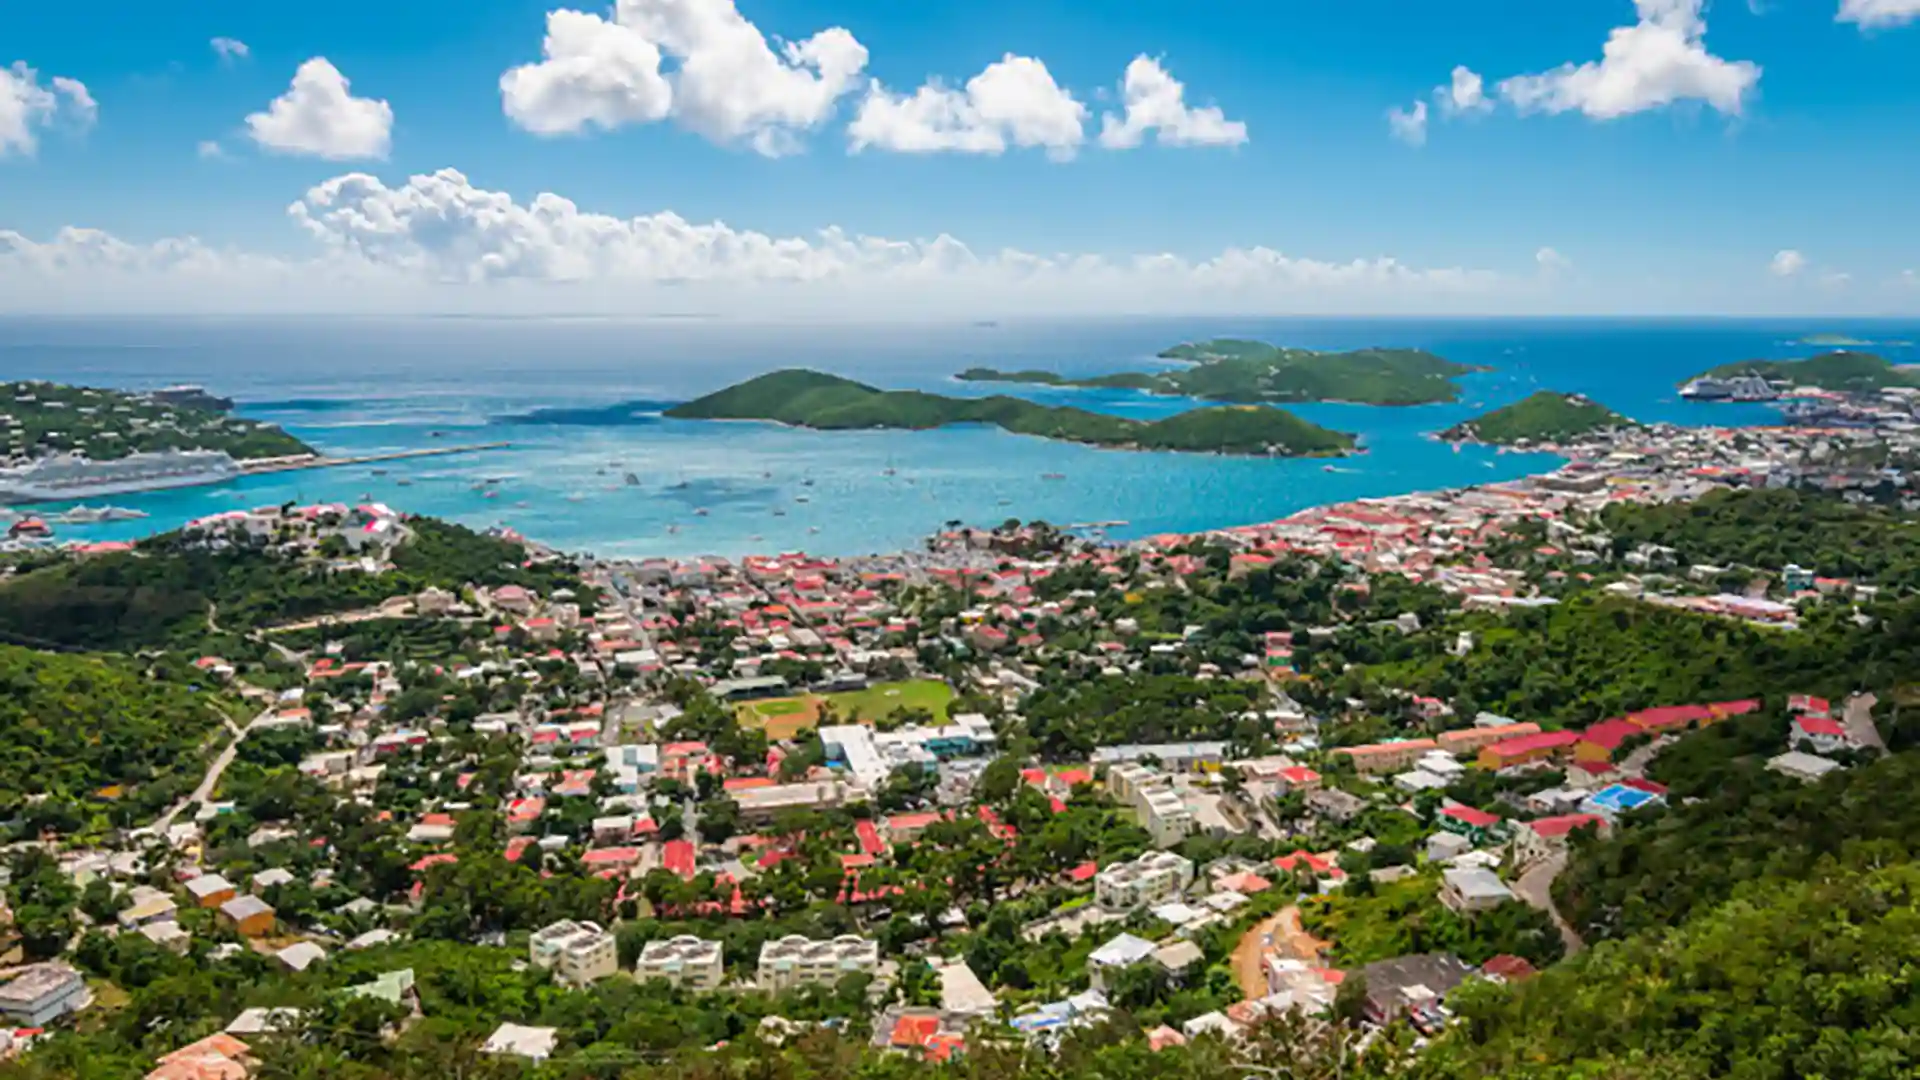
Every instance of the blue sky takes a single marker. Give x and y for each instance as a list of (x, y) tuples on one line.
[(1733, 157)]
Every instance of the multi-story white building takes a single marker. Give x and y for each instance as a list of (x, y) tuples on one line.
[(1153, 878), (796, 960), (873, 756), (576, 952), (1156, 805), (42, 993), (685, 961)]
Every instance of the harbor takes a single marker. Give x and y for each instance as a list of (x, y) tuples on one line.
[(315, 461)]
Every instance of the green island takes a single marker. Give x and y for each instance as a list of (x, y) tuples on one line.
[(1841, 371), (38, 419), (1253, 371), (813, 399), (1545, 416)]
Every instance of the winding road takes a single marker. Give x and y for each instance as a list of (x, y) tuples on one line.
[(1536, 888)]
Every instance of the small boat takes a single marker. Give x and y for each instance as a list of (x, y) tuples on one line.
[(672, 529), (379, 472), (491, 495), (1053, 476), (1006, 502), (801, 499), (436, 434), (576, 497), (808, 482), (631, 480), (756, 538), (681, 486), (766, 476), (888, 471), (813, 528), (777, 512), (700, 512), (404, 482)]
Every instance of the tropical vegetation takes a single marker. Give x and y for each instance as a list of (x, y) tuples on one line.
[(1542, 417), (1253, 371)]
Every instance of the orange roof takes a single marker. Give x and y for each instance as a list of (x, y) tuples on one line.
[(914, 1030)]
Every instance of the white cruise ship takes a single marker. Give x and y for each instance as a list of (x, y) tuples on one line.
[(64, 477)]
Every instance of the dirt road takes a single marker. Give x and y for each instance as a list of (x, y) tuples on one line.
[(1282, 934)]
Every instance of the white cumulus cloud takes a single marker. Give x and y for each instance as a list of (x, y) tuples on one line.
[(438, 242), (727, 82), (1409, 125), (1156, 102), (1874, 13), (1551, 263), (1787, 263), (596, 73), (318, 116), (27, 107), (1465, 92), (230, 48), (1013, 102), (1660, 60)]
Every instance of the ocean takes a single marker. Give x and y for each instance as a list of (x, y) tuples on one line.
[(579, 401)]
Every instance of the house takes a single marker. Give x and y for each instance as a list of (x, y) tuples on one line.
[(1543, 838), (576, 952), (249, 916), (1470, 889), (167, 935), (1598, 743), (1180, 958), (687, 962), (1387, 757), (1150, 879), (1123, 951), (797, 960), (217, 1057), (211, 890), (39, 994), (1473, 739), (1476, 825), (1412, 988), (1529, 750), (1801, 766), (1335, 805), (149, 906), (392, 987), (1824, 735), (961, 991), (514, 1040), (1442, 846), (301, 955)]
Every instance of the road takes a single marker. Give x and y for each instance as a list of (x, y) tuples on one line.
[(1858, 718), (1536, 888), (208, 782)]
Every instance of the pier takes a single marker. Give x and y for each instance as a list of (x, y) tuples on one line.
[(291, 464)]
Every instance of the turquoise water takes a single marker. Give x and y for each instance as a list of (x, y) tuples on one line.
[(579, 401)]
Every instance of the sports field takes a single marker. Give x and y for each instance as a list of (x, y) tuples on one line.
[(783, 718)]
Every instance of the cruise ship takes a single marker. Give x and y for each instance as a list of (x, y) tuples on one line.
[(1738, 388), (64, 477)]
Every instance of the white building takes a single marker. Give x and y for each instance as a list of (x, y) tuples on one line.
[(1803, 767), (796, 960), (874, 756), (1159, 809), (685, 961), (1470, 889), (576, 952), (43, 993), (1123, 951), (1153, 878), (532, 1043)]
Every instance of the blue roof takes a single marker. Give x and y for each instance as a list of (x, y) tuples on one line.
[(1621, 797)]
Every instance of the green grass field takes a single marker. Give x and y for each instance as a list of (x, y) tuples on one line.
[(783, 718), (877, 701)]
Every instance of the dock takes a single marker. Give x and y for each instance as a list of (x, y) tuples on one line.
[(292, 464)]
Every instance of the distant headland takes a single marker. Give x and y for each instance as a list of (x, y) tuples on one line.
[(1542, 417), (814, 399), (1254, 372)]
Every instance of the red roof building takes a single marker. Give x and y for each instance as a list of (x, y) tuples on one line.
[(677, 856)]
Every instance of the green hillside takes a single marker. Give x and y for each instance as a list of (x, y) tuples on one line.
[(73, 725), (41, 418), (1542, 417), (1841, 371), (812, 399), (1254, 372)]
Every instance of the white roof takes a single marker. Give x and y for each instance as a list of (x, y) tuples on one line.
[(534, 1043), (301, 955), (1121, 951)]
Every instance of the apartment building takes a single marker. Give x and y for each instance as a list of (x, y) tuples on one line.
[(576, 952), (1157, 806), (1153, 878), (686, 961), (797, 960)]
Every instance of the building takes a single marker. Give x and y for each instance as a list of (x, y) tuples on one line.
[(1598, 743), (1412, 988), (766, 800), (796, 960), (1543, 838), (42, 993), (1122, 952), (1800, 766), (535, 1044), (961, 991), (1387, 757), (1158, 808), (1824, 735), (1476, 825), (211, 890), (249, 916), (1529, 750), (1470, 889), (873, 756), (1473, 739), (686, 961), (576, 952), (1153, 878), (217, 1057), (1611, 802), (1174, 757)]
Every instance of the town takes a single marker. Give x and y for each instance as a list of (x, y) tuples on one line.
[(1002, 791)]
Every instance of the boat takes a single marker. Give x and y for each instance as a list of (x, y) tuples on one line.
[(700, 512), (681, 486), (404, 482), (379, 472), (64, 477), (672, 529), (801, 499), (813, 528), (777, 512), (1053, 476), (436, 434), (631, 480), (889, 471), (1737, 388), (808, 482)]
